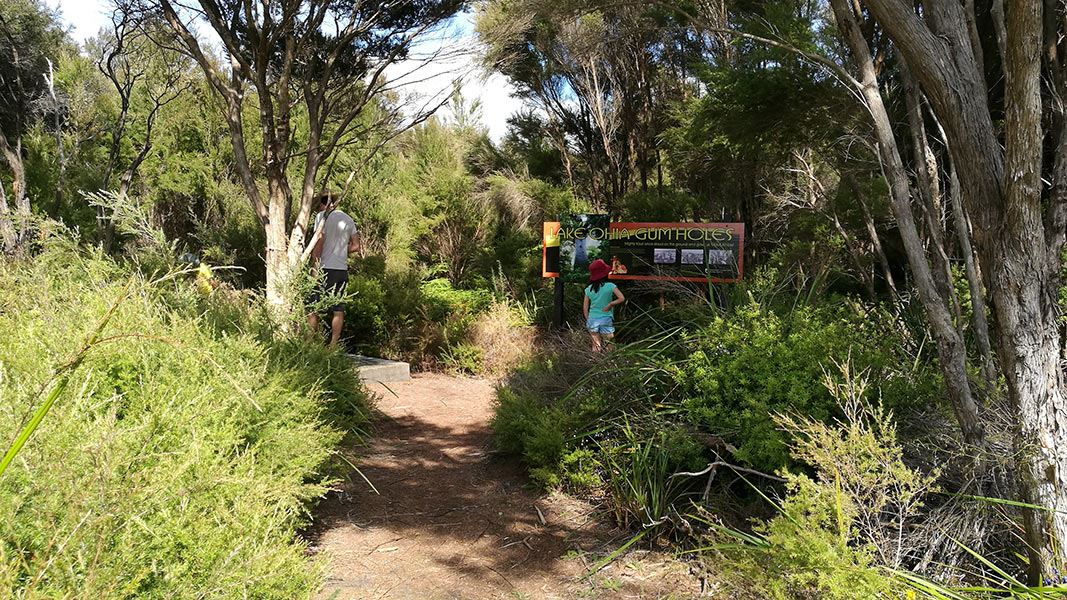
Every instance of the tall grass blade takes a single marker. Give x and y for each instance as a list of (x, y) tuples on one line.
[(60, 386), (617, 553)]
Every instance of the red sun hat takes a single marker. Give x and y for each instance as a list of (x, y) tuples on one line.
[(598, 269)]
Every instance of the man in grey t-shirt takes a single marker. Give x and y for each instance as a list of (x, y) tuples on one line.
[(339, 239)]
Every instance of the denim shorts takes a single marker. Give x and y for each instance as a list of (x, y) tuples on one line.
[(601, 325)]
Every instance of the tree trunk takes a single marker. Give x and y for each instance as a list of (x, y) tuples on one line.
[(1025, 293), (951, 349), (7, 226), (872, 232), (974, 281), (279, 291), (929, 192), (1001, 189), (20, 220), (853, 251)]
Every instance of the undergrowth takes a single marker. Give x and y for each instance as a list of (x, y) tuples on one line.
[(184, 450)]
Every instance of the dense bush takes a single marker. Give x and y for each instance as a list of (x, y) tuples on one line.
[(182, 454), (753, 363), (619, 426), (398, 316), (834, 529), (804, 552), (597, 424)]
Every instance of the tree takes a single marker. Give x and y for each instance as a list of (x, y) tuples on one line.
[(146, 79), (594, 76), (320, 60), (1018, 222), (997, 161), (29, 35)]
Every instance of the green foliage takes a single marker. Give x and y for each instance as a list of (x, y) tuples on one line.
[(638, 470), (31, 36), (592, 425), (620, 427), (804, 552), (667, 205), (833, 530), (464, 358), (756, 362), (444, 300), (399, 316), (183, 454)]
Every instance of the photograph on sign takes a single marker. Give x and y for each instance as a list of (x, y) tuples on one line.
[(582, 239), (678, 251), (693, 256), (665, 256), (719, 258)]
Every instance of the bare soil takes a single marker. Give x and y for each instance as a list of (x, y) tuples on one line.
[(447, 518)]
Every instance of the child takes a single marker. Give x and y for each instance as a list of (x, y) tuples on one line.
[(601, 297)]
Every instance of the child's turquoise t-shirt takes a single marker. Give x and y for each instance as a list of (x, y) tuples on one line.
[(598, 301)]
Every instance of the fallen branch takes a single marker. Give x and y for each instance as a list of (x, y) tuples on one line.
[(712, 469), (713, 466)]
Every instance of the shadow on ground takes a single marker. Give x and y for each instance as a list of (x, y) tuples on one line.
[(450, 519)]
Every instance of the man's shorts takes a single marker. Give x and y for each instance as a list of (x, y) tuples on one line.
[(332, 282), (600, 325)]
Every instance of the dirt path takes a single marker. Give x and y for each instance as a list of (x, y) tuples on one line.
[(451, 520)]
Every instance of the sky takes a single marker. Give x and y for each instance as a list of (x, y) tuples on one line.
[(454, 50)]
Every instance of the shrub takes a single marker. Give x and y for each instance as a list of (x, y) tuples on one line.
[(502, 337), (566, 398), (396, 315), (755, 362), (833, 530), (638, 471), (803, 553), (464, 358), (183, 454)]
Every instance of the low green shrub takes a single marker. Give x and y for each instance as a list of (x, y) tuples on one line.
[(601, 426), (755, 362), (804, 552), (399, 316), (618, 427), (836, 530), (638, 469), (183, 454), (464, 358)]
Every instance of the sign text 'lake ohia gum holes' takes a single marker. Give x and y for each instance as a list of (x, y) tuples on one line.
[(711, 252)]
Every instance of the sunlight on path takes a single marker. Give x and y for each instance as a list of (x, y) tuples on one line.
[(453, 521)]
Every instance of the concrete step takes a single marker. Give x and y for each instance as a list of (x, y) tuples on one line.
[(381, 370)]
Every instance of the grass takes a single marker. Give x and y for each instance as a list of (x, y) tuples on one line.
[(160, 443)]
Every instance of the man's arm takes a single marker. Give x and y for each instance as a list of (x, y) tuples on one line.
[(354, 243)]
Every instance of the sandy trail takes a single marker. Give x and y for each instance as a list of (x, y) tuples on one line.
[(451, 520)]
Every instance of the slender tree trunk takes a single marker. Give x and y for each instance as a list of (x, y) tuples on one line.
[(7, 227), (61, 157), (853, 251), (996, 14), (659, 174), (929, 193), (279, 269), (21, 217), (951, 349), (979, 318), (876, 241)]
